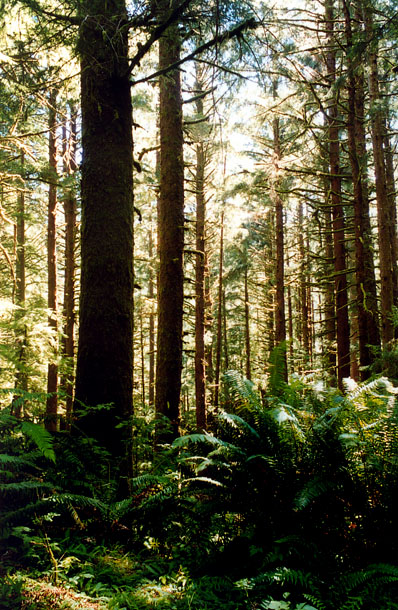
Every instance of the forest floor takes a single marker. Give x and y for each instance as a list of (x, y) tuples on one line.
[(41, 595)]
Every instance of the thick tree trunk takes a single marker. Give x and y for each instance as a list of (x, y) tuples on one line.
[(340, 271), (52, 374), (105, 351), (170, 232), (382, 199), (368, 332), (392, 210)]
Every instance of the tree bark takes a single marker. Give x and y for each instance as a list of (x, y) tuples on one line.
[(219, 316), (280, 316), (21, 377), (382, 199), (342, 323), (247, 321), (366, 300), (104, 370), (70, 212), (151, 296), (200, 304), (170, 232), (52, 374)]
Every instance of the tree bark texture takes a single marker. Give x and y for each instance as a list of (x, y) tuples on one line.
[(52, 373), (382, 199), (247, 319), (200, 304), (21, 377), (105, 351), (219, 316), (366, 299), (170, 232), (340, 271), (70, 213)]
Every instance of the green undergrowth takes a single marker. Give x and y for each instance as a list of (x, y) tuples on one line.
[(287, 502)]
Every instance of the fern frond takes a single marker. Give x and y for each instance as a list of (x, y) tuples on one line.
[(238, 422), (315, 488), (16, 461), (183, 441), (40, 437), (24, 486), (277, 365), (241, 391)]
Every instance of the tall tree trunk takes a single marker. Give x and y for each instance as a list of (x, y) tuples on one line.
[(70, 212), (225, 331), (340, 271), (219, 316), (382, 199), (142, 350), (200, 311), (52, 374), (329, 311), (104, 369), (151, 296), (170, 232), (21, 377), (392, 209), (368, 332), (305, 326), (280, 316), (247, 323)]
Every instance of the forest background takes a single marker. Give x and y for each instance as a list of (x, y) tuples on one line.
[(198, 313)]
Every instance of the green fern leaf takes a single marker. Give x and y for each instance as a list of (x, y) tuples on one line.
[(277, 365), (40, 437)]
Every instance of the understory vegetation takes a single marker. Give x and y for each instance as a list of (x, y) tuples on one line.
[(287, 502)]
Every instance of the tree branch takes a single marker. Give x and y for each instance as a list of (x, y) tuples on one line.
[(218, 39), (156, 34)]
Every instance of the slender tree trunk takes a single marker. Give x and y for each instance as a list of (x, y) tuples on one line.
[(151, 296), (219, 316), (305, 338), (342, 324), (142, 349), (52, 374), (247, 323), (200, 311), (280, 316), (329, 312), (225, 331), (104, 371), (208, 324), (21, 377), (170, 232), (70, 211)]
